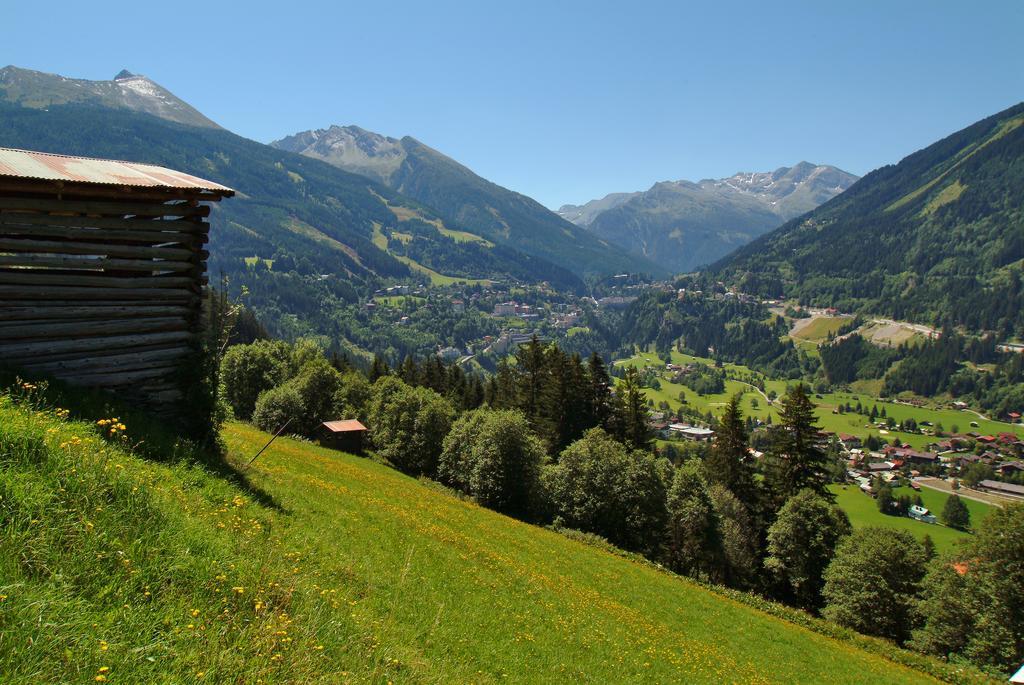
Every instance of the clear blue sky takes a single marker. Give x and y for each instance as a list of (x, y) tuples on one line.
[(564, 101)]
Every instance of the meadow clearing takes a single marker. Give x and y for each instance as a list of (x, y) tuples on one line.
[(755, 404), (863, 511)]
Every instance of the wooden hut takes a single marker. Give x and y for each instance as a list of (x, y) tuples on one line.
[(346, 436), (102, 269)]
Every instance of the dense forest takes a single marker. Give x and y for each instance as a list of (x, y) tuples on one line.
[(724, 328), (311, 223)]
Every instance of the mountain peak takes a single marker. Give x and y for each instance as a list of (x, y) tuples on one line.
[(682, 224), (39, 90), (350, 147)]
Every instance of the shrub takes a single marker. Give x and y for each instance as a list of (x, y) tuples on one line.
[(495, 457), (598, 486), (248, 370), (408, 425), (276, 406), (872, 582)]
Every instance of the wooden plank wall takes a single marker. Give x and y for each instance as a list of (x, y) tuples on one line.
[(102, 293)]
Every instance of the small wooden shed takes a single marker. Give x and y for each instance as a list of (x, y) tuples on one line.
[(346, 436), (102, 269)]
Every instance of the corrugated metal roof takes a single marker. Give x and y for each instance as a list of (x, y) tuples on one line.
[(49, 167), (344, 426)]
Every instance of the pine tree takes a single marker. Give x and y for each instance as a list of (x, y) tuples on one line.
[(797, 462), (379, 368), (533, 385), (928, 545), (598, 392), (729, 462), (503, 391), (556, 399), (636, 431), (955, 514), (573, 407), (409, 371)]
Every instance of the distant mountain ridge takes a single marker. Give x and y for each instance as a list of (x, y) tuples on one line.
[(464, 200), (304, 237), (682, 225), (937, 238), (39, 90)]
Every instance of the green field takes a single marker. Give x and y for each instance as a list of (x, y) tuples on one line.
[(820, 327), (381, 241), (669, 392), (464, 236), (252, 261), (852, 423), (398, 300), (863, 511), (316, 566)]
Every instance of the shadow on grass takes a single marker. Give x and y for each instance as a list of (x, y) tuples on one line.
[(153, 438)]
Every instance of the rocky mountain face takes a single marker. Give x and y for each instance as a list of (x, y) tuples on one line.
[(682, 225), (583, 215), (39, 90), (464, 200), (351, 148)]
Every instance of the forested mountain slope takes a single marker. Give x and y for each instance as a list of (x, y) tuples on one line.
[(465, 200), (326, 235), (937, 238)]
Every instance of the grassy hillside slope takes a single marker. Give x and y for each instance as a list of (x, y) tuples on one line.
[(315, 566)]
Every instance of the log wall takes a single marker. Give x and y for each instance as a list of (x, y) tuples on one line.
[(103, 292)]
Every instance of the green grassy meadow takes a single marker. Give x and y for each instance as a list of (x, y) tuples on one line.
[(436, 278), (863, 511), (314, 566), (855, 424), (819, 328), (398, 300)]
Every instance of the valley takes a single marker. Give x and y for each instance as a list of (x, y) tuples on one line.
[(291, 402)]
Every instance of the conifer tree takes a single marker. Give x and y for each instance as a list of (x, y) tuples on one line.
[(598, 392), (503, 393), (532, 384), (955, 513), (634, 406), (379, 368), (409, 371), (729, 462), (797, 462)]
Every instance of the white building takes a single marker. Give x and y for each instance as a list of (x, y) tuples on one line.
[(691, 432)]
